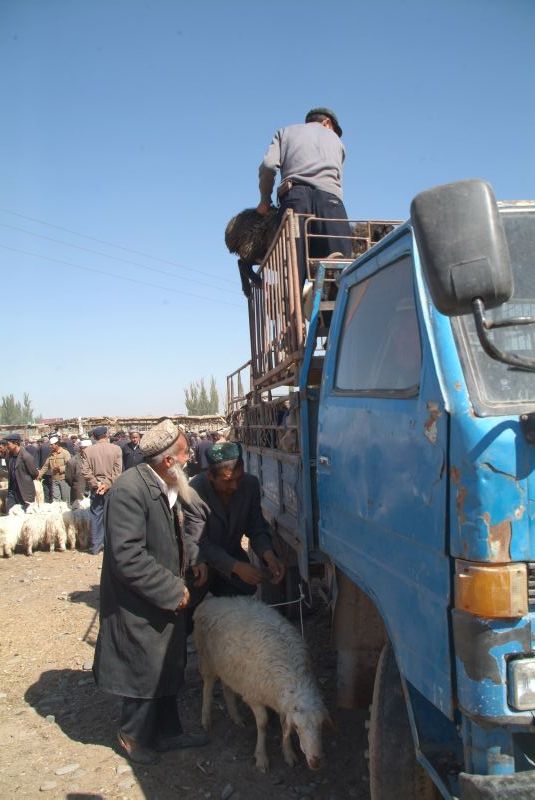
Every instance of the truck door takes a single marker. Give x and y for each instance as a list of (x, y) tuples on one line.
[(382, 463)]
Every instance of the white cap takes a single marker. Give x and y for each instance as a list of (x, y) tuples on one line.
[(54, 439), (85, 443)]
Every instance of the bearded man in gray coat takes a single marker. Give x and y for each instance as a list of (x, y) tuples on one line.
[(140, 652)]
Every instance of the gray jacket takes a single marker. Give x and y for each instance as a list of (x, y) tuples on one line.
[(309, 153)]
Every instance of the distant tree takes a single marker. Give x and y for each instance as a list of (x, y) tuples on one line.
[(200, 402), (214, 397), (14, 412), (27, 410)]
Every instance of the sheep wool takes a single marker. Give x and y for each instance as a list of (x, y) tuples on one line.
[(259, 655), (10, 528)]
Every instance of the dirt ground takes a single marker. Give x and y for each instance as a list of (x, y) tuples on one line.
[(57, 731)]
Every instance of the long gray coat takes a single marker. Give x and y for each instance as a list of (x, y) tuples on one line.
[(141, 643)]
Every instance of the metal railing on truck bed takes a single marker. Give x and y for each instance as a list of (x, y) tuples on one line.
[(277, 320), (273, 400)]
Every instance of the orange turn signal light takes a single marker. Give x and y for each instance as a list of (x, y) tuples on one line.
[(498, 591)]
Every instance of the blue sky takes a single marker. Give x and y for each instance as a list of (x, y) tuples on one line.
[(132, 131)]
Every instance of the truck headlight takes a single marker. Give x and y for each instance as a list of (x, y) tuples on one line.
[(521, 683)]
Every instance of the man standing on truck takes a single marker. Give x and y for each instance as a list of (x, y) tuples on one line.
[(226, 507), (309, 157)]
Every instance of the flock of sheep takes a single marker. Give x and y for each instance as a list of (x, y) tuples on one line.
[(46, 526)]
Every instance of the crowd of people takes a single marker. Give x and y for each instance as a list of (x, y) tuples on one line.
[(55, 460)]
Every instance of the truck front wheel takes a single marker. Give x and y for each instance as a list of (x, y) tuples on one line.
[(394, 772)]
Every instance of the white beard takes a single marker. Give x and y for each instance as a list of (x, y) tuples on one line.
[(180, 483)]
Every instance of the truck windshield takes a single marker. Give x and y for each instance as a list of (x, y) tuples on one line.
[(497, 388)]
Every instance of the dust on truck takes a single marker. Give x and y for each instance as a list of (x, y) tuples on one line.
[(393, 434)]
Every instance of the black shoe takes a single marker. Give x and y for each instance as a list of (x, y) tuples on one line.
[(181, 741), (136, 752)]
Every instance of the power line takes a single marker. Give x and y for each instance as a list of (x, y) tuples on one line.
[(120, 277), (103, 241), (118, 258)]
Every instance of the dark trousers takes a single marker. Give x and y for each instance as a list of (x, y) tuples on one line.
[(146, 721), (96, 511), (47, 488), (328, 236)]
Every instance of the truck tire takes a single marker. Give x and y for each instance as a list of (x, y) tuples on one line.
[(394, 772)]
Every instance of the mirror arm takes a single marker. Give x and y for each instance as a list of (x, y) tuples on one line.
[(483, 325)]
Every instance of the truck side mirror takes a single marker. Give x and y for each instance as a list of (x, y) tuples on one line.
[(462, 246)]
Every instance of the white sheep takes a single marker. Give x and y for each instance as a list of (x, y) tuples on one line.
[(56, 531), (259, 655), (44, 527), (33, 532), (69, 523), (16, 511), (10, 528), (82, 522)]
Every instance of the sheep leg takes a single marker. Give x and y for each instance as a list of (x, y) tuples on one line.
[(260, 754), (232, 707), (287, 749), (207, 690), (71, 538)]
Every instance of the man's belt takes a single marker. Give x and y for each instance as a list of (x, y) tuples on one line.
[(288, 184)]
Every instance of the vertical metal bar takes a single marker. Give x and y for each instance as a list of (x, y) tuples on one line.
[(280, 312), (291, 265), (295, 290)]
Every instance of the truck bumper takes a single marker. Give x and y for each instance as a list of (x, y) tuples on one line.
[(519, 786)]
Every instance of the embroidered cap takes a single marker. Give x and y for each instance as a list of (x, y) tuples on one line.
[(159, 438), (223, 451)]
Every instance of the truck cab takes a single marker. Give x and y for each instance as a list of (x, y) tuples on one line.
[(413, 478)]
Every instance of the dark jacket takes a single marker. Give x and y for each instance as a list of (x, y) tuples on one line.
[(141, 643), (132, 456), (202, 449), (33, 450), (75, 478), (44, 452), (219, 532), (25, 474)]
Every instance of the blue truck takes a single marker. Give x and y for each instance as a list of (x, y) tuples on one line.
[(390, 419)]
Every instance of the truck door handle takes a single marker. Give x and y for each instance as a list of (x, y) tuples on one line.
[(325, 461)]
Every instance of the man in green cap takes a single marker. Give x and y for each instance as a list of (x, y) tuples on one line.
[(309, 157), (227, 506)]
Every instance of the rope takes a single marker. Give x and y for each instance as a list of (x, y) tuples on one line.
[(293, 602)]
